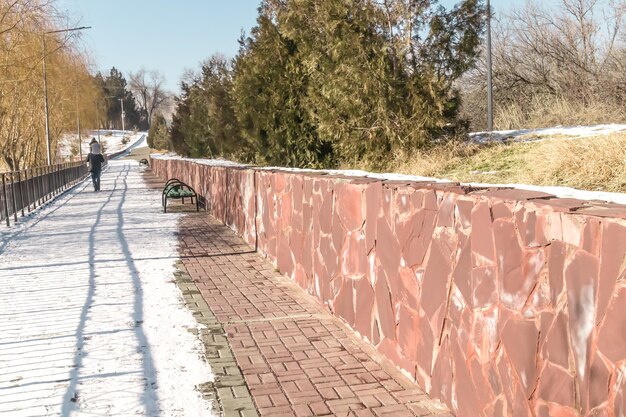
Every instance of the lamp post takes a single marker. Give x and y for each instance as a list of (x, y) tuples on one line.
[(98, 120), (489, 75), (80, 144), (122, 104), (45, 85)]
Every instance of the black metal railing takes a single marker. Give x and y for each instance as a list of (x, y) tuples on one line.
[(23, 191)]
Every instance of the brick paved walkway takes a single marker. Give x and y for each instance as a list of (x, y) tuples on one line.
[(297, 359)]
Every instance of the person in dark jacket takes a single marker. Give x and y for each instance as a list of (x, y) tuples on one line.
[(95, 166)]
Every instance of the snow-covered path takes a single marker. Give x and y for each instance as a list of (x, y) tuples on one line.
[(91, 322)]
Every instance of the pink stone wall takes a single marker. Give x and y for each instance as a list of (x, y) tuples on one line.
[(499, 302)]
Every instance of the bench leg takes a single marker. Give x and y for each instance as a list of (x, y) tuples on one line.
[(165, 205)]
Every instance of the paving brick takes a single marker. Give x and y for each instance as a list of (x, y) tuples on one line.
[(364, 413), (279, 400), (369, 401), (395, 410), (276, 411), (302, 410), (364, 387), (319, 408), (303, 397), (344, 392), (263, 401), (328, 393), (290, 355), (343, 405), (386, 399), (266, 389), (409, 395), (420, 410)]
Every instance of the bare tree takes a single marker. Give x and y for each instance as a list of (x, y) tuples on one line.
[(22, 25), (148, 89), (573, 53)]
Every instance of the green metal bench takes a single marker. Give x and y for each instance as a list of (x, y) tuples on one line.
[(176, 189)]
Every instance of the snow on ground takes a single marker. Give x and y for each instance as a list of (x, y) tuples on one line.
[(141, 142), (91, 322), (527, 135), (112, 140), (563, 192)]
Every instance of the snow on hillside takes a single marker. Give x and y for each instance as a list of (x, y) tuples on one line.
[(143, 143), (112, 141), (527, 135)]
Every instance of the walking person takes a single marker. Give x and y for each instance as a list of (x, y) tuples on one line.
[(95, 160), (94, 146)]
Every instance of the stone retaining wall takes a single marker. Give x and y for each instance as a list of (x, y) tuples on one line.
[(500, 302)]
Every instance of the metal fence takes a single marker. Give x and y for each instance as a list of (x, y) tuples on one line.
[(23, 191)]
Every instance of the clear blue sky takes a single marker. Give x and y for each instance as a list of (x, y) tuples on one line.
[(168, 35)]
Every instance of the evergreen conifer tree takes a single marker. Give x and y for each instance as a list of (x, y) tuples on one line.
[(319, 83), (269, 87), (159, 135)]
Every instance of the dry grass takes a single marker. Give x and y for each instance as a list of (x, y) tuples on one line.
[(140, 153), (592, 164), (597, 163), (553, 111)]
